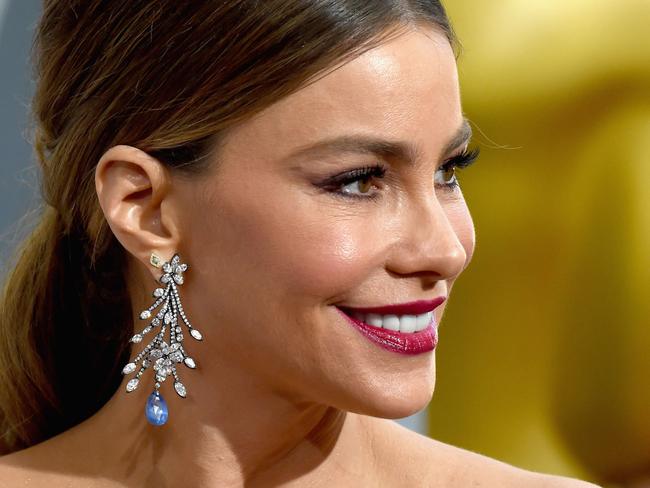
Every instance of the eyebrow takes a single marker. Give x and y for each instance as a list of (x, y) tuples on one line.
[(362, 144)]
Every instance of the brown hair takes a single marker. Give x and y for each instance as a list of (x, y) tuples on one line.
[(169, 78)]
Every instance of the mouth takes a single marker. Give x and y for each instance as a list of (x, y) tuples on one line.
[(416, 308), (407, 333), (405, 324)]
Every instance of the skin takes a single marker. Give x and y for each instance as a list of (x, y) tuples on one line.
[(286, 392)]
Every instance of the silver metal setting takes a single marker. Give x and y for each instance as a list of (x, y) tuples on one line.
[(163, 355)]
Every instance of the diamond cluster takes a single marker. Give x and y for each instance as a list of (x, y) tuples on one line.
[(163, 356)]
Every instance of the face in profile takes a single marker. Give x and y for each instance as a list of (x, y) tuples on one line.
[(278, 241)]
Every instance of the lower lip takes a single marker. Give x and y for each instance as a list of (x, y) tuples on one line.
[(404, 343)]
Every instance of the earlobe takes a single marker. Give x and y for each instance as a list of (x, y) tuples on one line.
[(133, 189)]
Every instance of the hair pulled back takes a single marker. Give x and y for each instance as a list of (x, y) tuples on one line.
[(169, 78)]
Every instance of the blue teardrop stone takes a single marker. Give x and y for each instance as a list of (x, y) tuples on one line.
[(156, 409)]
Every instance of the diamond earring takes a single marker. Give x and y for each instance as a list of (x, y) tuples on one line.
[(162, 355)]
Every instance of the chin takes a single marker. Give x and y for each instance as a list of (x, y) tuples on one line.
[(393, 401)]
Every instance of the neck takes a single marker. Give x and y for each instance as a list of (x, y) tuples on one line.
[(229, 431)]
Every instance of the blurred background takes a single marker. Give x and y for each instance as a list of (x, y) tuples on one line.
[(544, 358)]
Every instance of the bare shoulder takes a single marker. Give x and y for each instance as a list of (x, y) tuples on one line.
[(431, 463), (32, 468), (14, 471)]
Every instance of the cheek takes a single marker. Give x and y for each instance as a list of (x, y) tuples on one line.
[(315, 255), (285, 248), (297, 248), (330, 255)]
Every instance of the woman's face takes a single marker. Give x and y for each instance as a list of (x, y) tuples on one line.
[(274, 248)]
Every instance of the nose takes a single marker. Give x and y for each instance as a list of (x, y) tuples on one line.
[(427, 242)]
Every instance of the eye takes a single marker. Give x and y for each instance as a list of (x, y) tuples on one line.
[(448, 170), (356, 183), (448, 176), (363, 185)]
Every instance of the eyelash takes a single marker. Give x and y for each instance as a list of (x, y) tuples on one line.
[(461, 161)]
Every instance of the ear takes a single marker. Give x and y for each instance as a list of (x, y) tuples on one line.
[(134, 191)]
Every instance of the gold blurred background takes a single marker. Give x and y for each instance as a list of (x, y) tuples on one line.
[(544, 358)]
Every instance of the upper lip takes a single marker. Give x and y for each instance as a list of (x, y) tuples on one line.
[(411, 308)]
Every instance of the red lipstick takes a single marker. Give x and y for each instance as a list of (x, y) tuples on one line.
[(410, 308), (400, 342)]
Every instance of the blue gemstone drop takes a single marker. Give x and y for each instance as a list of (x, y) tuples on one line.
[(156, 409)]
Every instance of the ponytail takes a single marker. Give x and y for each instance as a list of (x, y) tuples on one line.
[(62, 333), (113, 73)]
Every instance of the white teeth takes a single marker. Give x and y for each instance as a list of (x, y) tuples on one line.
[(421, 321), (407, 323), (373, 319), (391, 322), (402, 323)]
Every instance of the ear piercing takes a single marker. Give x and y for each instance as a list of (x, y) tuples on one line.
[(163, 355)]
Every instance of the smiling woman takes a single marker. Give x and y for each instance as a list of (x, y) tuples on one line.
[(280, 176)]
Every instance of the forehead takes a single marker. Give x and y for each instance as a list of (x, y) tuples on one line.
[(405, 88)]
